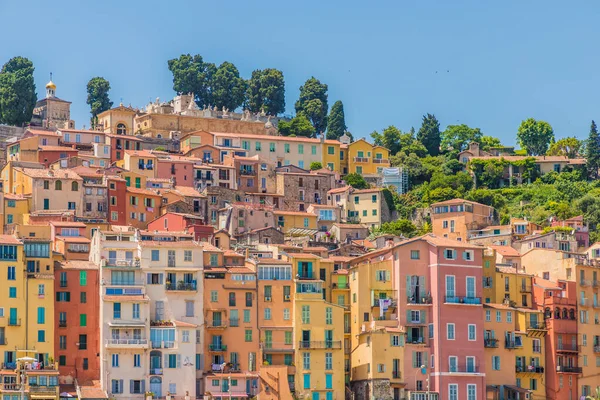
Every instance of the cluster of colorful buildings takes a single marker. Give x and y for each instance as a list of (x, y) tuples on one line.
[(222, 267)]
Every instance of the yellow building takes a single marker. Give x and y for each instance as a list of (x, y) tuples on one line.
[(331, 156), (288, 220), (15, 209), (514, 285), (318, 347), (367, 159), (530, 357), (377, 344), (140, 162), (118, 120), (27, 301), (367, 206), (340, 295), (499, 343)]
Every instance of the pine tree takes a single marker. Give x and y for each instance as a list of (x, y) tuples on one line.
[(429, 134), (336, 123), (593, 152)]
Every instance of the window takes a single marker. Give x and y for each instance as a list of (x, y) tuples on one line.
[(82, 319), (415, 254), (286, 314), (452, 364), (288, 337), (450, 331), (498, 316), (11, 273), (306, 360), (12, 292), (305, 314), (137, 360), (58, 185), (509, 316), (395, 340), (468, 255), (116, 310), (488, 316), (496, 363), (533, 384), (187, 255), (115, 360), (267, 312), (82, 278), (248, 335), (41, 336), (450, 254), (328, 315), (453, 391), (472, 334), (246, 316), (471, 392), (155, 255), (286, 147), (306, 381)]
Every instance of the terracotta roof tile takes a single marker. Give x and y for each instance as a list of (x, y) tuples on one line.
[(340, 189), (50, 174)]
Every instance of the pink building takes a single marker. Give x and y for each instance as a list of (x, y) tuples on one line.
[(582, 234), (438, 282), (180, 169)]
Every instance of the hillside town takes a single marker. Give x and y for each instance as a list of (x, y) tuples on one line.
[(185, 253)]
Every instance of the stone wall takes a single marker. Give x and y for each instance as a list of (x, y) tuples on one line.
[(379, 389)]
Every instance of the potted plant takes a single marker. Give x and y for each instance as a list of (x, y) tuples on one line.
[(149, 395)]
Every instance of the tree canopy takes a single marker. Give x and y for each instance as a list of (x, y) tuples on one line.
[(17, 91), (298, 126), (192, 75), (458, 137), (397, 141), (266, 90), (535, 136), (228, 88), (313, 103), (356, 181), (315, 165), (487, 142), (336, 122), (429, 134), (593, 151), (97, 97), (569, 147)]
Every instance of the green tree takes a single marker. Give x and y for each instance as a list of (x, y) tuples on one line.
[(487, 142), (593, 152), (298, 126), (266, 90), (458, 137), (535, 136), (315, 165), (192, 75), (396, 141), (97, 97), (17, 91), (313, 103), (336, 122), (398, 227), (228, 88), (429, 134), (356, 181), (568, 147)]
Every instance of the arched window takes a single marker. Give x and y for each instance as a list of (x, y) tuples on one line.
[(565, 314), (74, 186), (121, 129), (547, 313), (58, 185), (557, 313), (572, 313)]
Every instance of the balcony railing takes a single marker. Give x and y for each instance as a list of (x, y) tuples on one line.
[(247, 172), (392, 303), (595, 283), (525, 288), (216, 324), (42, 389), (163, 344), (181, 286), (14, 322), (419, 300), (574, 370), (122, 263), (62, 324), (156, 371), (464, 369), (585, 282), (462, 300), (529, 368), (361, 159), (381, 161), (567, 347), (536, 325), (490, 343), (126, 342), (509, 344), (396, 375), (217, 347), (327, 344), (234, 322), (596, 348), (274, 347)]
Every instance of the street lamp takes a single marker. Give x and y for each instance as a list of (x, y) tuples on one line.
[(424, 372)]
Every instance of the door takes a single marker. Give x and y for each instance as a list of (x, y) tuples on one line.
[(13, 316), (329, 338), (156, 386), (305, 339)]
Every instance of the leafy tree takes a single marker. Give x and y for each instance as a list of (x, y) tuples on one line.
[(315, 165), (356, 181), (535, 136), (192, 75), (458, 137), (429, 134), (398, 227), (17, 91), (97, 97), (313, 103), (298, 126), (442, 194), (487, 197), (569, 147), (228, 89), (593, 152), (396, 141), (487, 142), (266, 90), (336, 123)]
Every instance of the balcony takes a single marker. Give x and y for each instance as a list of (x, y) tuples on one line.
[(14, 322), (156, 371), (396, 375), (525, 289), (247, 172), (595, 283), (361, 159), (43, 389), (463, 369), (537, 349), (424, 300), (277, 347), (62, 324), (570, 370), (529, 369), (341, 286), (490, 343), (536, 325), (393, 302), (567, 347), (596, 305), (417, 340), (585, 282), (216, 324), (414, 395), (381, 161), (121, 263), (510, 344), (126, 343), (217, 347), (327, 344), (181, 286), (597, 348), (163, 344), (462, 300), (234, 322)]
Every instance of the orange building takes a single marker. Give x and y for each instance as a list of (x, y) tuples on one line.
[(77, 307), (143, 206), (453, 219)]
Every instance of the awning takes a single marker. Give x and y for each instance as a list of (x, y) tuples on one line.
[(124, 324), (301, 232), (517, 389), (225, 395)]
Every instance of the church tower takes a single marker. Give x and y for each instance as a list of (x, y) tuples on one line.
[(50, 89)]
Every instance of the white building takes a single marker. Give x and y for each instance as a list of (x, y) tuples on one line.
[(151, 313)]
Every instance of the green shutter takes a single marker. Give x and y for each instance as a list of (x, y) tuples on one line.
[(423, 316), (407, 316), (408, 287)]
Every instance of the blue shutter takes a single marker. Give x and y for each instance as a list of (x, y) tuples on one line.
[(148, 279), (131, 388)]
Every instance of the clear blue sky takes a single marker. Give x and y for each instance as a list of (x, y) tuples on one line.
[(507, 60)]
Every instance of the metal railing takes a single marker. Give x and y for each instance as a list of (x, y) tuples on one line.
[(126, 341), (156, 371), (62, 324), (381, 160), (217, 347), (529, 368), (490, 343), (561, 368), (216, 324), (462, 300), (327, 344), (361, 159), (509, 344), (234, 322), (596, 348), (163, 344), (525, 289), (585, 282), (122, 262), (464, 368), (14, 322), (567, 347), (419, 300), (181, 286)]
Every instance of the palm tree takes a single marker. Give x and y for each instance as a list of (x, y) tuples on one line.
[(596, 397)]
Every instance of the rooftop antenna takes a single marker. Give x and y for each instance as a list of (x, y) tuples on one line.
[(50, 75)]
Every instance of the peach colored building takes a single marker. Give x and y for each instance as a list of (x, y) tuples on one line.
[(453, 219)]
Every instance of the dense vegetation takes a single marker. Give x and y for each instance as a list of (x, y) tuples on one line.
[(439, 175)]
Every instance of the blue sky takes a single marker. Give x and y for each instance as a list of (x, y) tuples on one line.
[(487, 64)]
